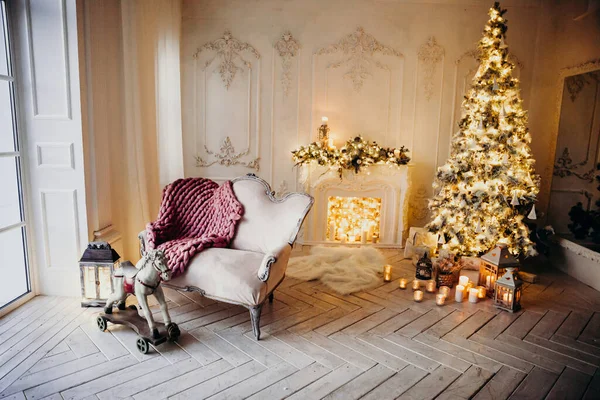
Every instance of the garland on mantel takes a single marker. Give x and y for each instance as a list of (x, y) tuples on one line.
[(356, 154)]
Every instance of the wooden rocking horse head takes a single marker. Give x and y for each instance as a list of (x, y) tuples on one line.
[(157, 259)]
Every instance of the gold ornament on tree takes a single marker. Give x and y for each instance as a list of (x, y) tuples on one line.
[(488, 185)]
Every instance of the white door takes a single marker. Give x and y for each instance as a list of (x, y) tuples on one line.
[(14, 268), (48, 81)]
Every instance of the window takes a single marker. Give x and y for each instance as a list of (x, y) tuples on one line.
[(14, 269)]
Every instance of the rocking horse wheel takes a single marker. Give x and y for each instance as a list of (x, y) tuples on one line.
[(142, 345), (102, 323)]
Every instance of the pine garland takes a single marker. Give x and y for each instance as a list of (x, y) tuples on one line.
[(356, 154)]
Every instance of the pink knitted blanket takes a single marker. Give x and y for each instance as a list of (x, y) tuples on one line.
[(195, 214)]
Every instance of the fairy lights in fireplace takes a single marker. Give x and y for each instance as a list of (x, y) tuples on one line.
[(353, 219)]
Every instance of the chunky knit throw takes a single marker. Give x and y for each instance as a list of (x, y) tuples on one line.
[(195, 214)]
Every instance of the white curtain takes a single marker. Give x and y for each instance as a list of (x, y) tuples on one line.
[(152, 153)]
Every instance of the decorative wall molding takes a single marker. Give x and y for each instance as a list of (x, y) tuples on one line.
[(228, 50), (358, 49), (228, 157), (576, 83), (430, 54), (282, 189), (287, 47), (548, 172), (565, 167), (419, 207)]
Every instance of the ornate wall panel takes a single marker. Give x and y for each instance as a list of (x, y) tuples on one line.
[(391, 79), (358, 83), (226, 98)]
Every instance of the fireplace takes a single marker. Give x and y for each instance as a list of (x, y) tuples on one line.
[(368, 207), (353, 219)]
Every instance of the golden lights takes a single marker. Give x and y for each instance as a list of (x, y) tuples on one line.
[(353, 219)]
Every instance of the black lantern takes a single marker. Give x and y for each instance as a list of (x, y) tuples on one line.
[(493, 265), (96, 267), (508, 291), (424, 267)]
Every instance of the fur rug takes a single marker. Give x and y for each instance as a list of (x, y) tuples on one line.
[(345, 270)]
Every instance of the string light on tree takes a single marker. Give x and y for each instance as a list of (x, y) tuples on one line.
[(488, 184)]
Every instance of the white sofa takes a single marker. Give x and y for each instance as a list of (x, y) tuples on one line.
[(254, 265)]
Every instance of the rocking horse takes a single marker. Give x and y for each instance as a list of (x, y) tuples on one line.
[(142, 280)]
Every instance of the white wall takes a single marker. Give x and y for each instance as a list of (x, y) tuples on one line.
[(410, 94)]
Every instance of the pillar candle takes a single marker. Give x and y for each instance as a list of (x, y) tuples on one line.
[(440, 299), (363, 236), (488, 280), (418, 295), (332, 231), (402, 283), (430, 286), (463, 280), (460, 292), (416, 284), (473, 293)]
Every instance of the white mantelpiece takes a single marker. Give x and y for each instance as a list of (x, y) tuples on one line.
[(391, 184)]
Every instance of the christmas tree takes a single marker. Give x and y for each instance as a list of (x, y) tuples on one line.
[(488, 184)]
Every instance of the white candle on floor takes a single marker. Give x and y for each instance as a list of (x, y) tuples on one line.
[(463, 280), (473, 295), (460, 292)]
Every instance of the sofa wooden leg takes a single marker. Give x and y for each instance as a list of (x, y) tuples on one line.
[(271, 298), (255, 318)]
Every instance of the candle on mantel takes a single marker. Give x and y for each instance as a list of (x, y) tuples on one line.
[(418, 295), (481, 292), (387, 273), (460, 292), (463, 280), (445, 290), (351, 238), (330, 143), (402, 283), (430, 286), (343, 238), (473, 295), (324, 120), (416, 284), (440, 299)]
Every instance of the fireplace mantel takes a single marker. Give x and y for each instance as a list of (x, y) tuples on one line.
[(390, 183)]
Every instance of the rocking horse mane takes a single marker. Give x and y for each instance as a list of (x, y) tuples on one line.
[(151, 256)]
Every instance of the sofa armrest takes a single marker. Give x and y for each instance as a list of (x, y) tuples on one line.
[(143, 242), (281, 255)]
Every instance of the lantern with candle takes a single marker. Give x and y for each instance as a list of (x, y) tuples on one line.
[(424, 267), (507, 292), (493, 265), (96, 268)]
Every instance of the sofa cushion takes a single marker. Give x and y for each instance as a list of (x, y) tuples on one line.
[(231, 275)]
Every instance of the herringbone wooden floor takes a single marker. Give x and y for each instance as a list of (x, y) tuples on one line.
[(316, 344)]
